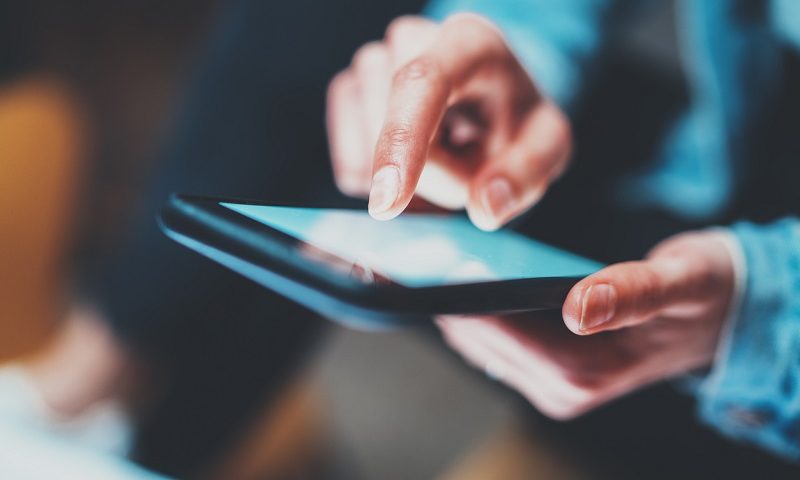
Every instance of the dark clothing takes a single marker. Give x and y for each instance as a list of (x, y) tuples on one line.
[(251, 126)]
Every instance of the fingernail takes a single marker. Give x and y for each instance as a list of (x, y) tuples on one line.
[(597, 306), (498, 198), (384, 192)]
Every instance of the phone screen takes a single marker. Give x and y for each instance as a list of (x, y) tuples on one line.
[(420, 250)]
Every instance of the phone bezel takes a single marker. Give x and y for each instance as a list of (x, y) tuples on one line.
[(202, 224)]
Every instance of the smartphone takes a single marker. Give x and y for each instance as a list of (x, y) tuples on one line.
[(363, 272)]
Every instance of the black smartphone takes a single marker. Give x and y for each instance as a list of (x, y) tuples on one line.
[(367, 273)]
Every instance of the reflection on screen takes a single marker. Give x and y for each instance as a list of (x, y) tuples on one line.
[(420, 250)]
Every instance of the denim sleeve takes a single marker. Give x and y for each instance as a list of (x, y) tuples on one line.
[(554, 40), (752, 393)]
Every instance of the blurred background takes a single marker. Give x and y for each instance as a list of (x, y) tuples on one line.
[(125, 357)]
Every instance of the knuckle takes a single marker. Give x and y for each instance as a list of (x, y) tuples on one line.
[(642, 290), (472, 25), (466, 20), (338, 83), (649, 291), (400, 27), (369, 54), (397, 135), (420, 68)]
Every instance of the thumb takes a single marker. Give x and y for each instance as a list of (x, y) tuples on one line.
[(631, 293)]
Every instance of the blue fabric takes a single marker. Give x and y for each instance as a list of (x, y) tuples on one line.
[(753, 392), (731, 55)]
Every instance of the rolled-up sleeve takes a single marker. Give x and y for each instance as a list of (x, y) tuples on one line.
[(752, 393)]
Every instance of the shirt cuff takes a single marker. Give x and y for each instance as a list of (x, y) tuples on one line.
[(750, 393)]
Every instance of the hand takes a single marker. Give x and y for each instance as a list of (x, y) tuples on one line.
[(446, 111), (629, 325)]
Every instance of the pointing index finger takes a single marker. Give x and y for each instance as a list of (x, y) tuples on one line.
[(419, 95)]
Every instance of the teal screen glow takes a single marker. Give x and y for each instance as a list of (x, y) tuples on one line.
[(420, 250)]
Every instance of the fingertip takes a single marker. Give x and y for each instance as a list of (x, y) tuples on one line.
[(597, 306), (384, 194), (389, 214), (383, 216), (479, 218), (486, 200), (571, 310), (497, 201)]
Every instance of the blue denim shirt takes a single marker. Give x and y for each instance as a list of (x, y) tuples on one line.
[(730, 59)]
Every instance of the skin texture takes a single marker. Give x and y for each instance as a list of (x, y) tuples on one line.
[(444, 112), (663, 319), (447, 112)]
